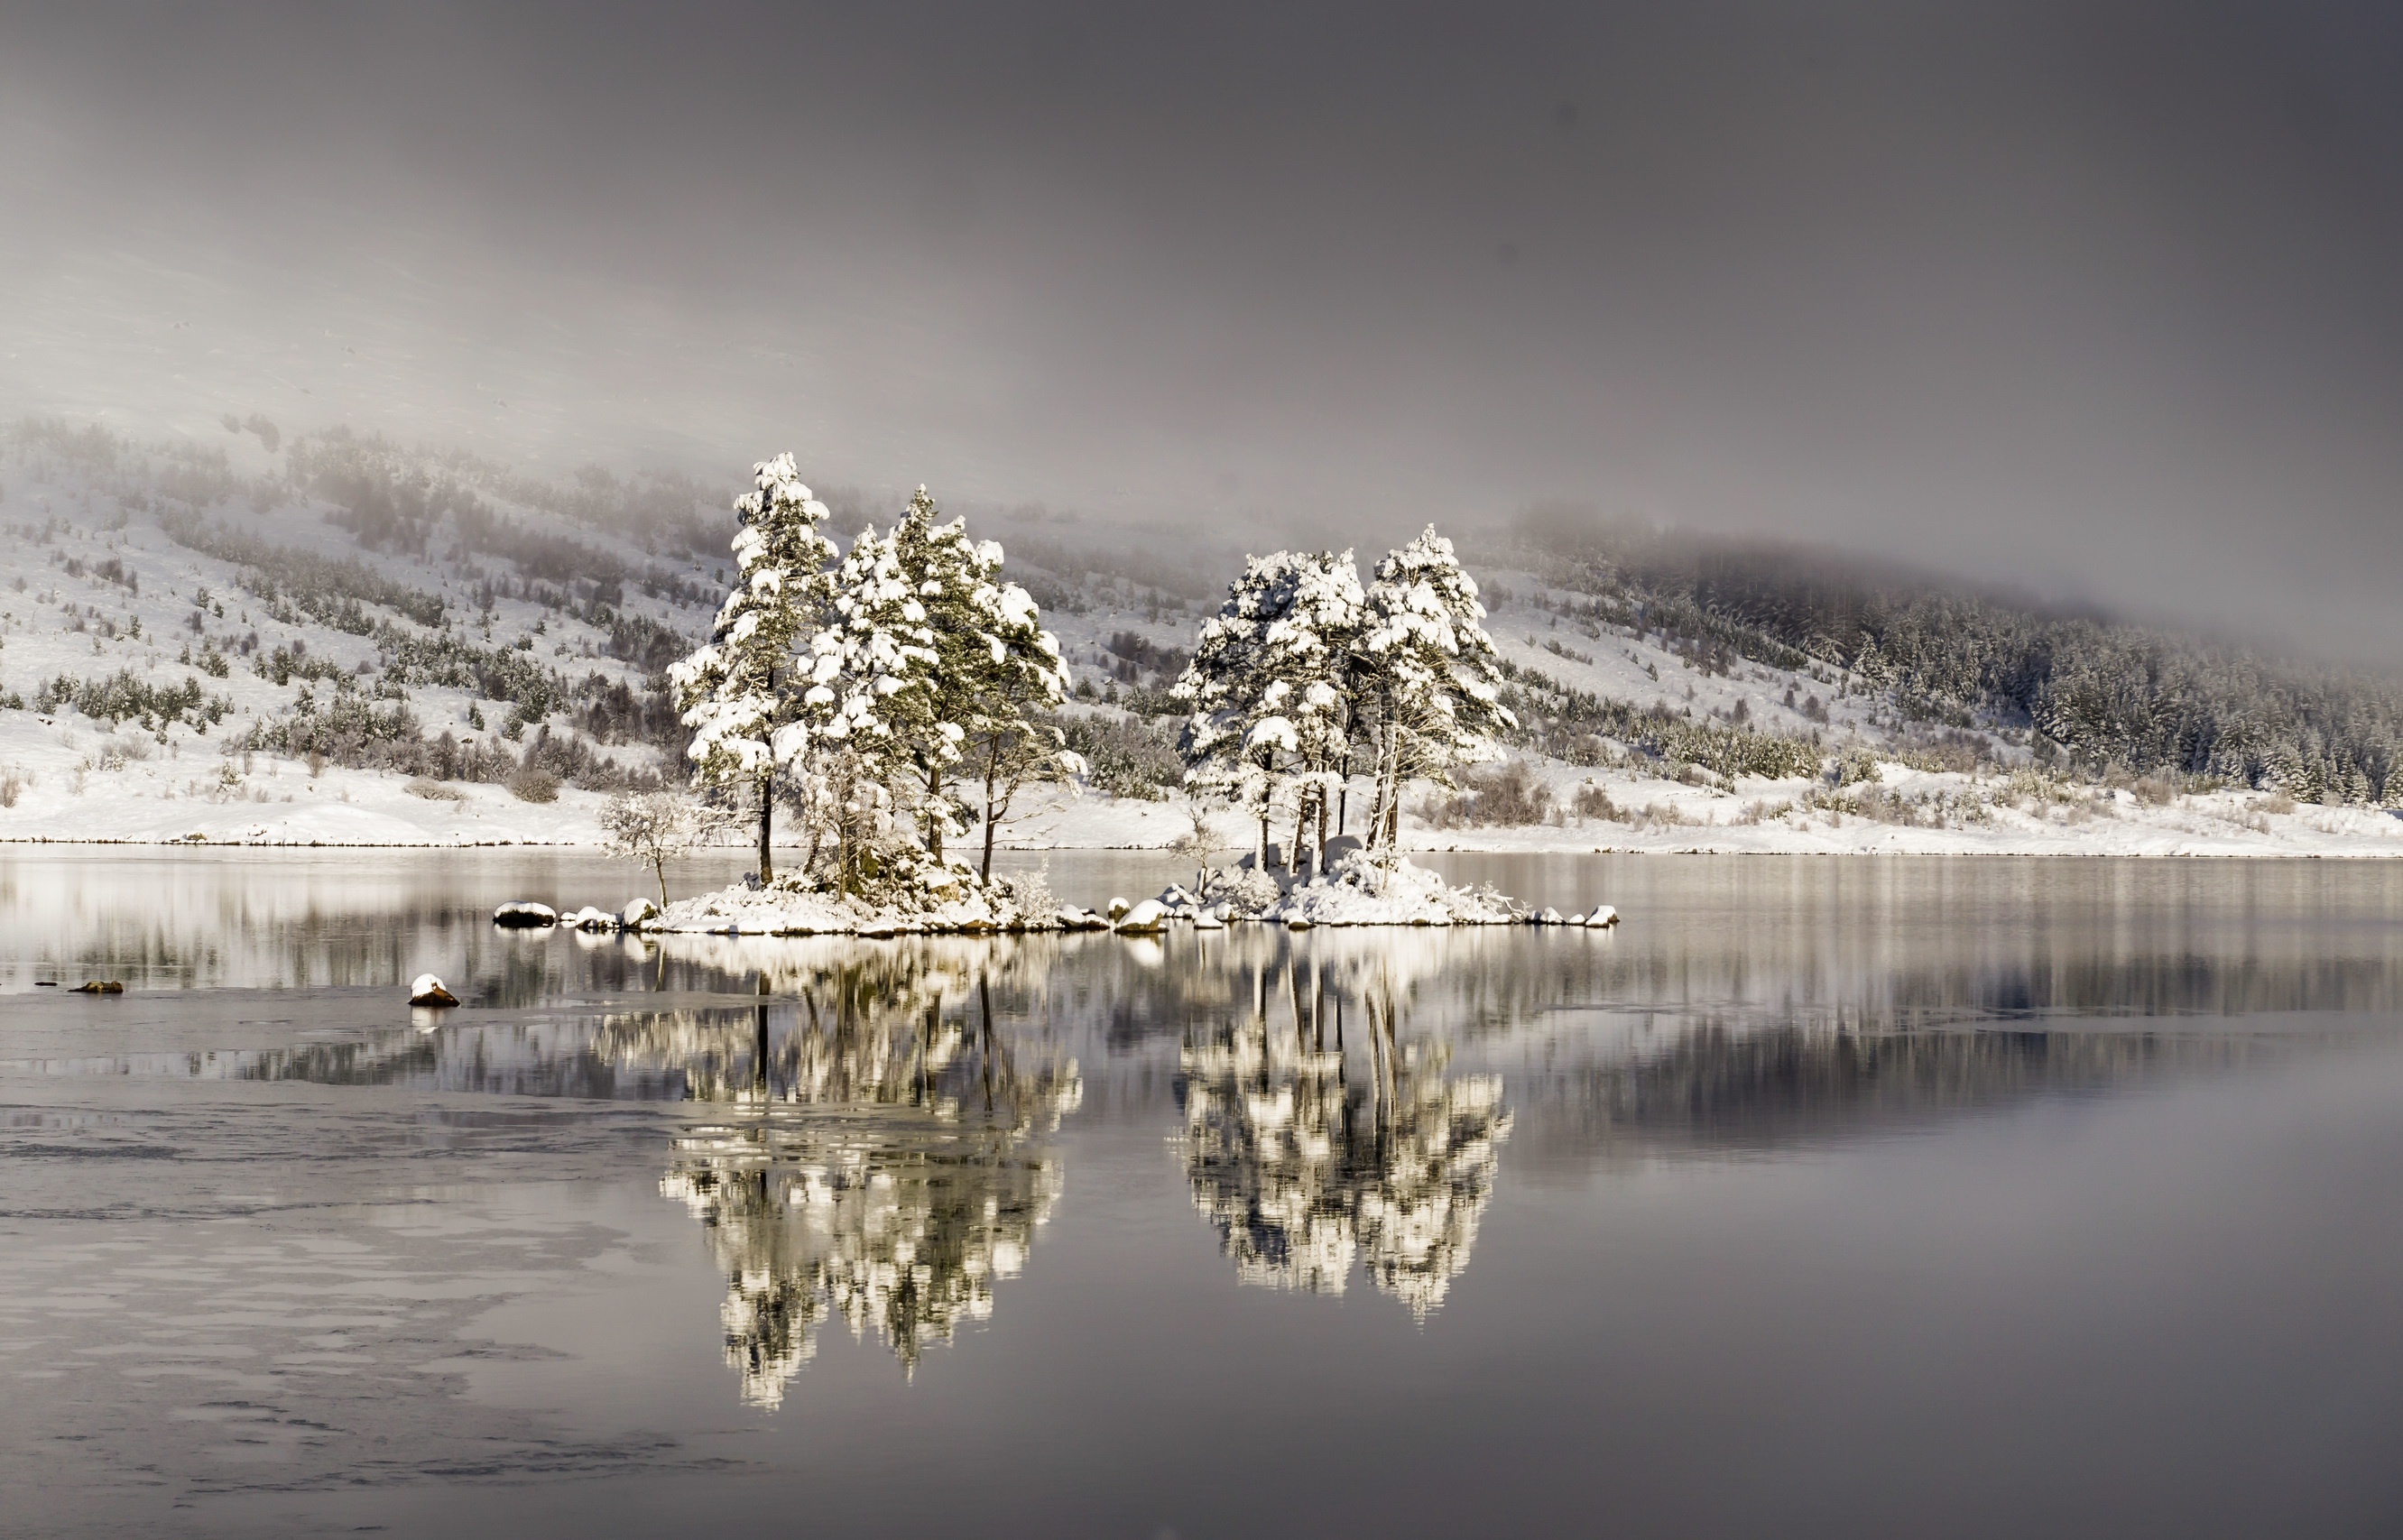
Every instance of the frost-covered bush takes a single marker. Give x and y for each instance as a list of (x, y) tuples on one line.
[(655, 827), (435, 791), (534, 785), (1245, 889)]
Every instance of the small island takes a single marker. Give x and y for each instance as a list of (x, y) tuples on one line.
[(894, 696)]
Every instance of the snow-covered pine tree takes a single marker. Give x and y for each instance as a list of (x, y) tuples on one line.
[(875, 687), (1271, 688), (737, 691), (1224, 683), (1430, 679), (993, 667), (1312, 652), (997, 670)]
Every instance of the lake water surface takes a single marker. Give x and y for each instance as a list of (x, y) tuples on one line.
[(1824, 1197)]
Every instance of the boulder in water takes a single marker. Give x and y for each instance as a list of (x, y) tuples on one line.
[(637, 913), (1142, 919), (1603, 918), (1549, 916), (426, 990), (100, 986), (522, 914)]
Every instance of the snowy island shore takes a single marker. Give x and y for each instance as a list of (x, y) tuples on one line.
[(78, 787), (1356, 889)]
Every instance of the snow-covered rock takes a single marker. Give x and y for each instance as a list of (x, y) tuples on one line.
[(1150, 916), (588, 917), (1602, 917), (426, 990), (637, 913), (525, 912)]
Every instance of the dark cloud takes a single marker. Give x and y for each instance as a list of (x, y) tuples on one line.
[(2096, 298)]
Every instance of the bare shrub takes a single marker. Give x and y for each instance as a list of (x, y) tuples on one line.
[(435, 791), (1509, 796), (2154, 792), (534, 785), (13, 783), (2277, 802), (653, 827), (1593, 801)]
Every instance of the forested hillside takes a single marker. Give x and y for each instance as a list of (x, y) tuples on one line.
[(2079, 690)]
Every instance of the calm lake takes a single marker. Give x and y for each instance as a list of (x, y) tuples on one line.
[(1825, 1196)]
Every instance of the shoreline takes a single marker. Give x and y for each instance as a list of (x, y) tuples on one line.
[(1499, 848)]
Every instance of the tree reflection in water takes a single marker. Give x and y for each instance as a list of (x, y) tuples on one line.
[(886, 1163), (1304, 1169)]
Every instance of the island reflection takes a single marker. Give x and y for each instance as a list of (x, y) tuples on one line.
[(885, 1160), (1304, 1166)]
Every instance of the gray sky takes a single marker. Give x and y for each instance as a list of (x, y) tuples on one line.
[(2100, 298)]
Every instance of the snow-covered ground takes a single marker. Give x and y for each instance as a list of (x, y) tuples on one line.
[(95, 584), (72, 790)]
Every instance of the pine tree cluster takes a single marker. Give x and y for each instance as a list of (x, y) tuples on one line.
[(887, 697), (1305, 680)]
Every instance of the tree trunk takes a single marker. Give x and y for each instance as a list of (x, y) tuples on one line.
[(1377, 797), (660, 866), (935, 812), (992, 809), (766, 818)]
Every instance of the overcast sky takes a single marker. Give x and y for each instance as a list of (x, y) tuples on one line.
[(2097, 299)]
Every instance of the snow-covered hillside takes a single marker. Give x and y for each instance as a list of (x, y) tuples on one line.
[(327, 639)]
